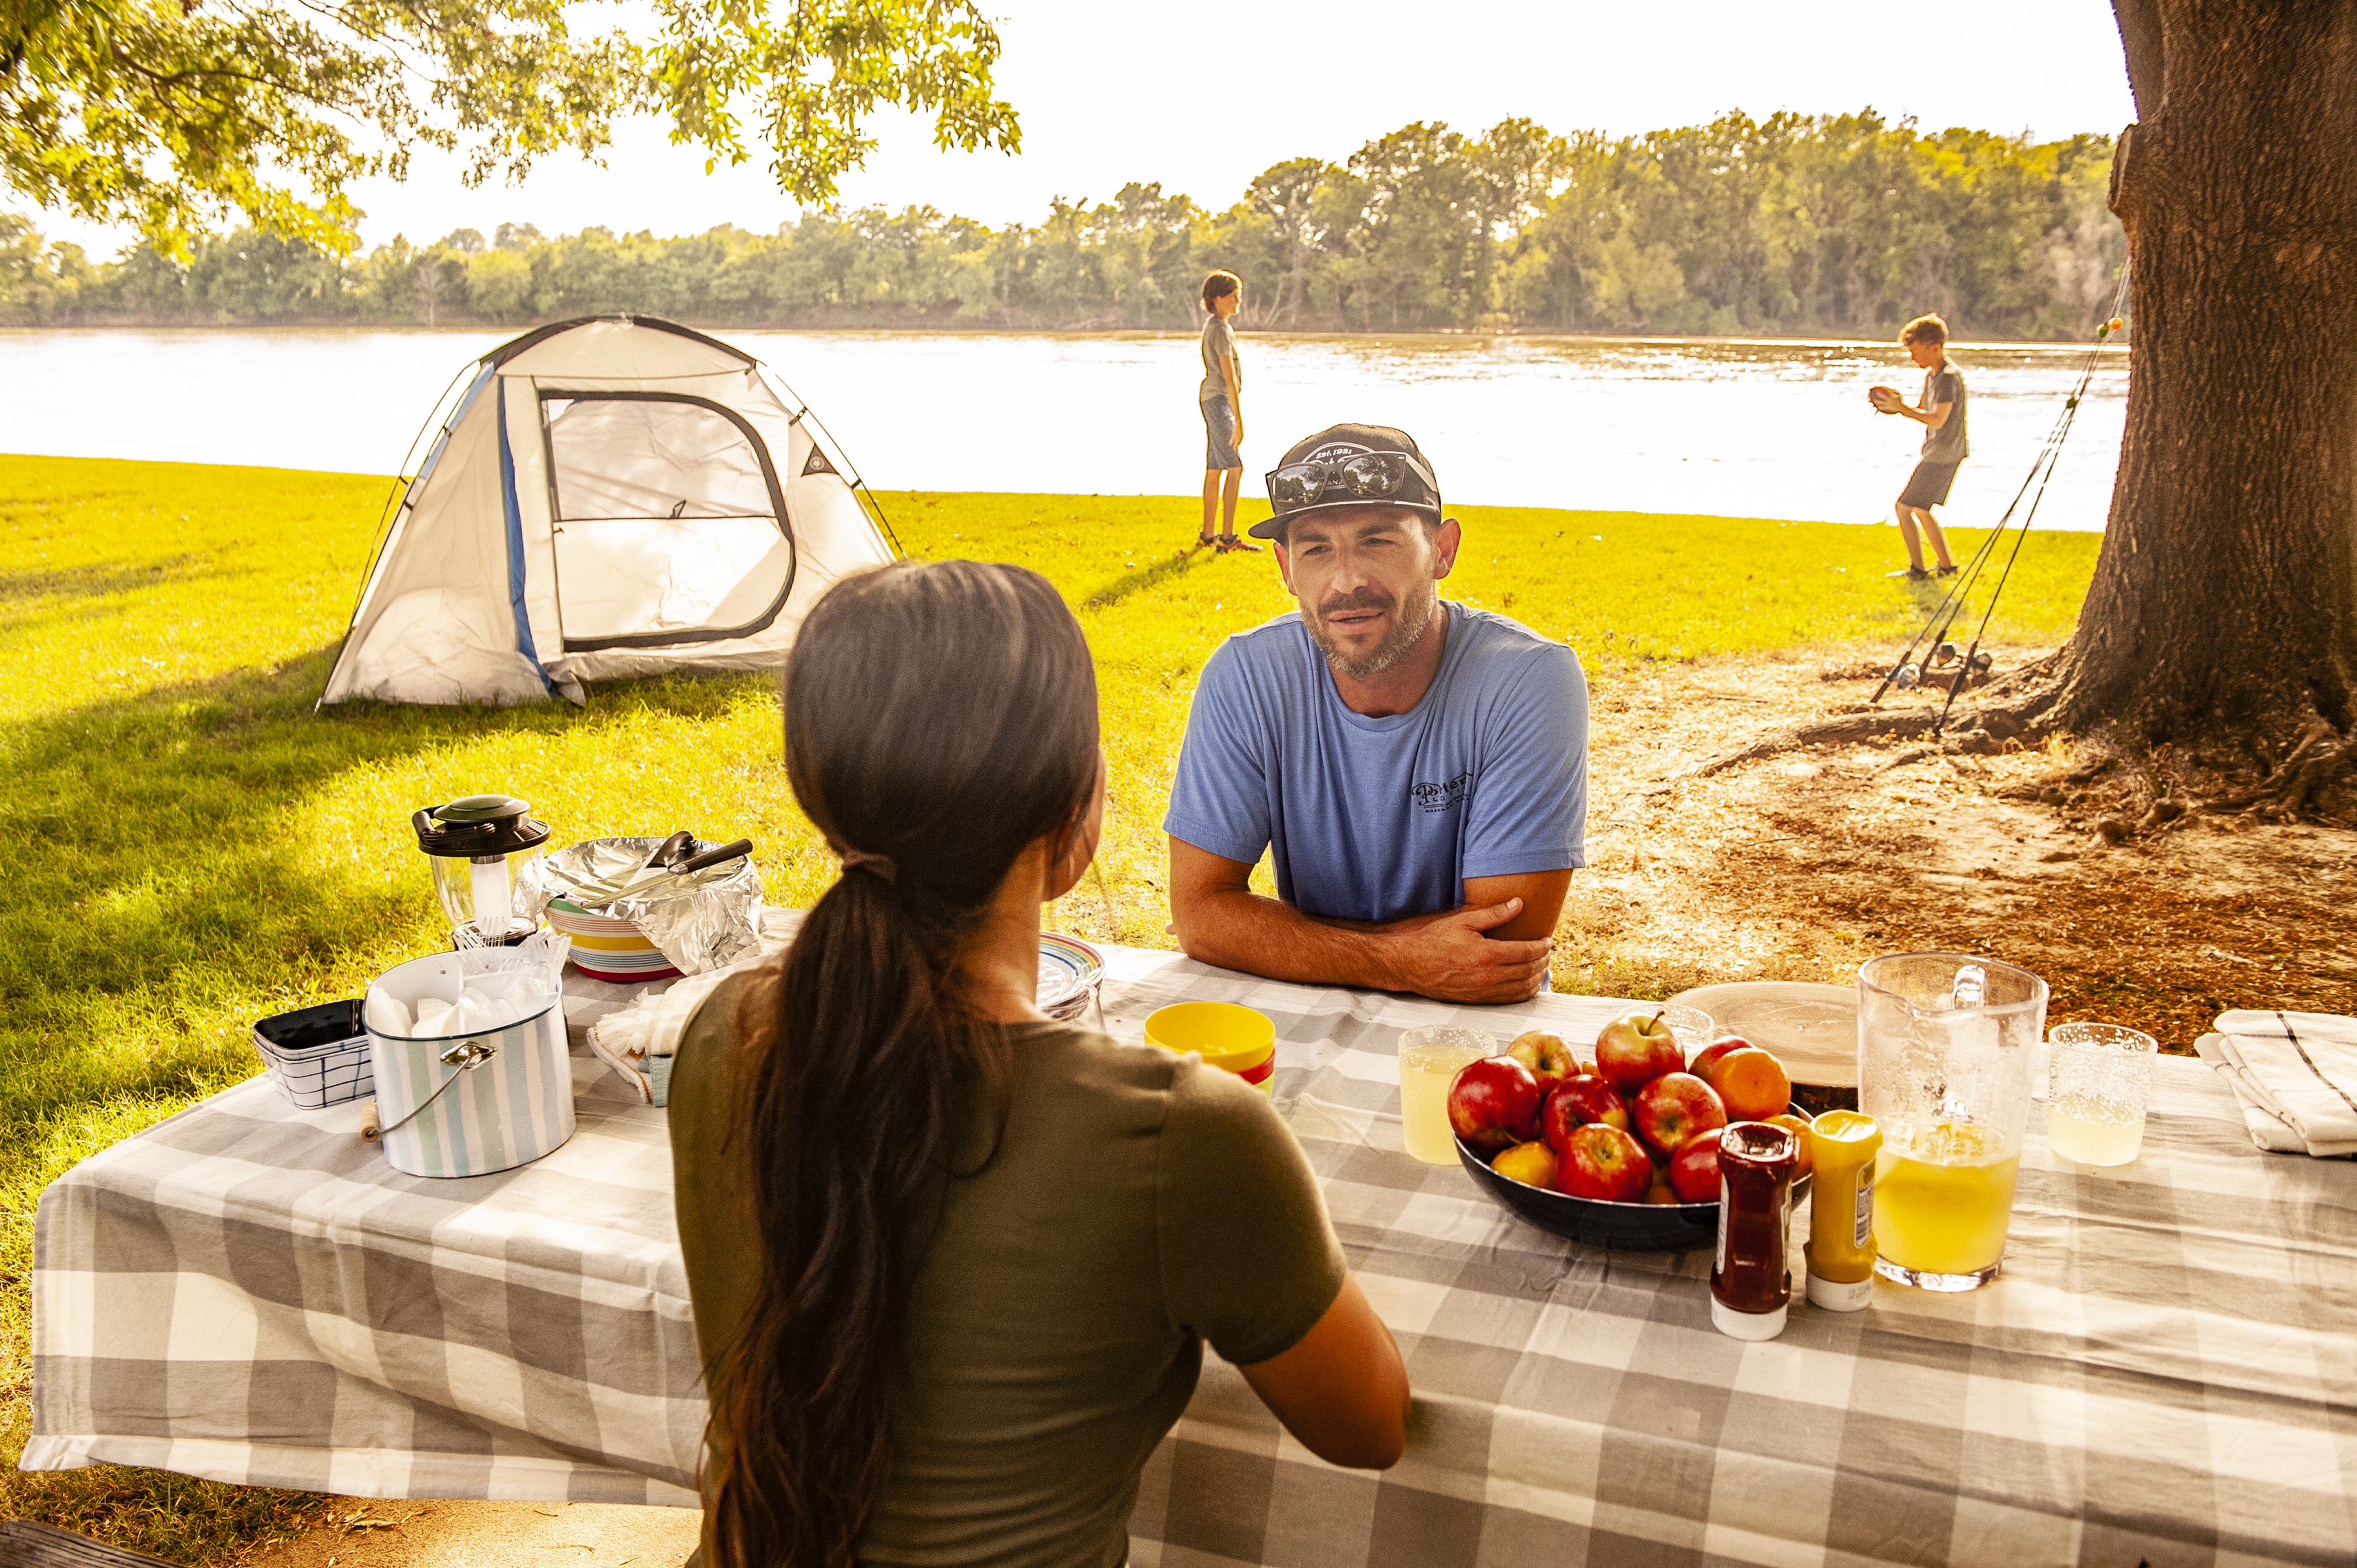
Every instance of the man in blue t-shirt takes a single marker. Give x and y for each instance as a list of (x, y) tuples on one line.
[(1418, 767)]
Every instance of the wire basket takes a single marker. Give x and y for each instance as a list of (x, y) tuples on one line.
[(318, 1055)]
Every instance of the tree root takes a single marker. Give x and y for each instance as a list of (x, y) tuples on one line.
[(1985, 726), (2320, 755), (1846, 730), (2021, 710)]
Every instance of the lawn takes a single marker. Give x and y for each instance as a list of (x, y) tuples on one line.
[(188, 847)]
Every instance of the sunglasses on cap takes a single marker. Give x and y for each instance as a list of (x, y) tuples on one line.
[(1368, 476)]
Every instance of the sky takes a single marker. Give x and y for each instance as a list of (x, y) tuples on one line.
[(1111, 94)]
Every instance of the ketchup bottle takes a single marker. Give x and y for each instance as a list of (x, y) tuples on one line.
[(1748, 1289)]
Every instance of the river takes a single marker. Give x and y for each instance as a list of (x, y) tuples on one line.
[(1743, 428)]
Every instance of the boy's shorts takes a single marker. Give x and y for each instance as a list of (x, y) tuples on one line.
[(1928, 485), (1220, 452)]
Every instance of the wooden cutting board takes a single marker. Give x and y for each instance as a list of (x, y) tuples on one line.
[(1812, 1029)]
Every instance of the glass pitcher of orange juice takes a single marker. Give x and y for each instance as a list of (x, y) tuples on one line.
[(1944, 1048)]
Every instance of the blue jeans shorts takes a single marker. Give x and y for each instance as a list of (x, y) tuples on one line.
[(1219, 436)]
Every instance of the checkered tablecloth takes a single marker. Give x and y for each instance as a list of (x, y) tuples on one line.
[(2166, 1372)]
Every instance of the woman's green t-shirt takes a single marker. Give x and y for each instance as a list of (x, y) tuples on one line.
[(1137, 1206)]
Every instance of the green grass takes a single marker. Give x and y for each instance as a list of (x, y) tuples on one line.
[(187, 846)]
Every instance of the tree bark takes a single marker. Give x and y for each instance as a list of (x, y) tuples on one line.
[(2225, 600)]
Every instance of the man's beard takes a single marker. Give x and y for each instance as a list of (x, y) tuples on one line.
[(1391, 650)]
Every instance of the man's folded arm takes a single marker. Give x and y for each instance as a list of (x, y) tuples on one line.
[(1455, 955), (1542, 893)]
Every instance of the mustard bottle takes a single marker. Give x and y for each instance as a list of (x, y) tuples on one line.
[(1841, 1249)]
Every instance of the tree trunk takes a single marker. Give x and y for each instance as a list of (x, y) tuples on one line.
[(2225, 599)]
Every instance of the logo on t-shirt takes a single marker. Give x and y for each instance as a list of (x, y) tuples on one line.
[(1440, 796)]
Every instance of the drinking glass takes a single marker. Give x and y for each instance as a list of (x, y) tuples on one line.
[(1430, 1060), (1945, 1043), (1693, 1027), (2098, 1082)]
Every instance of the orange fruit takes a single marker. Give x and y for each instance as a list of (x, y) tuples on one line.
[(1752, 1083), (1530, 1163), (1799, 1126)]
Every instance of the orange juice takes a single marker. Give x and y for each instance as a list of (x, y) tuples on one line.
[(1942, 1205)]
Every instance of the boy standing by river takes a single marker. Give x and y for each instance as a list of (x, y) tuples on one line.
[(1222, 399), (1941, 411)]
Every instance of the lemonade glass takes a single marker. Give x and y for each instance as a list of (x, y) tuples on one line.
[(1430, 1060), (1945, 1043), (2099, 1079)]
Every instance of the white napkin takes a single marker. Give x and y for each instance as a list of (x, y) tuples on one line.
[(638, 1041), (2295, 1075)]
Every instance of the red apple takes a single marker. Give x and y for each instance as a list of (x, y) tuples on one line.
[(1701, 1065), (1636, 1048), (1492, 1103), (1673, 1108), (1603, 1162), (1694, 1169), (1546, 1055), (1577, 1100)]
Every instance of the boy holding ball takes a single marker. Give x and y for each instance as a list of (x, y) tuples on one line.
[(1941, 411)]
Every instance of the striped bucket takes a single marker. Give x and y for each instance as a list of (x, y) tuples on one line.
[(512, 1106)]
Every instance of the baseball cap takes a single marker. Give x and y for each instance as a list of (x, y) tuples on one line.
[(1349, 466)]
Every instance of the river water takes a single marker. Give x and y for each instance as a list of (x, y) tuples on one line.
[(1730, 428)]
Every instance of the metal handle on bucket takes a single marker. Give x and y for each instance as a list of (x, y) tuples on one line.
[(466, 1055)]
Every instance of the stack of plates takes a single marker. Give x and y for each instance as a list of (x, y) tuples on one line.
[(607, 948), (1070, 972)]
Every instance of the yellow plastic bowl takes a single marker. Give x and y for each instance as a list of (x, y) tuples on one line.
[(1226, 1035)]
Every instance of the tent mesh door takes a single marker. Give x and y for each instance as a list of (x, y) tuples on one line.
[(670, 525)]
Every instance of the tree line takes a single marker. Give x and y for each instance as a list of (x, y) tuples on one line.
[(1838, 224)]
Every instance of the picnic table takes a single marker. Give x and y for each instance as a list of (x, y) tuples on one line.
[(2165, 1372)]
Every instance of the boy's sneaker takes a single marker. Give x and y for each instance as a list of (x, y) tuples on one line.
[(1912, 573), (1947, 572)]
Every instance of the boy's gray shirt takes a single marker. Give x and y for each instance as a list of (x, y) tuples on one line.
[(1218, 339), (1945, 383)]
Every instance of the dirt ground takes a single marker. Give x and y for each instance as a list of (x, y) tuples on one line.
[(1799, 865), (362, 1533)]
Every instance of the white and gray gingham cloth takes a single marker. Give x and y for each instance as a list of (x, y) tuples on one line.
[(2167, 1370)]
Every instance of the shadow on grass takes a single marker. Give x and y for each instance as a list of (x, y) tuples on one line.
[(101, 579), (1148, 576), (154, 905)]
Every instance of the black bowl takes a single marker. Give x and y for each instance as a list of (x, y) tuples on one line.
[(1633, 1227)]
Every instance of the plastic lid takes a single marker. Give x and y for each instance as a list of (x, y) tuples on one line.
[(1745, 1325), (1835, 1295), (478, 825), (481, 809)]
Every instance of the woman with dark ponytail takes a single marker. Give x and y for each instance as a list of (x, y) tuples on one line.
[(953, 1264)]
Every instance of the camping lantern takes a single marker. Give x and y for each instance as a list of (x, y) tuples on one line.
[(478, 843)]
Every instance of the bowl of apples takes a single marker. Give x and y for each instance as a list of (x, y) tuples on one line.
[(1621, 1151)]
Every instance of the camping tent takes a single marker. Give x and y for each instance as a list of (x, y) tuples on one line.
[(610, 497)]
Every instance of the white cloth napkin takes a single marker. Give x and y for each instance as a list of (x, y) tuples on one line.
[(2295, 1075), (638, 1041)]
